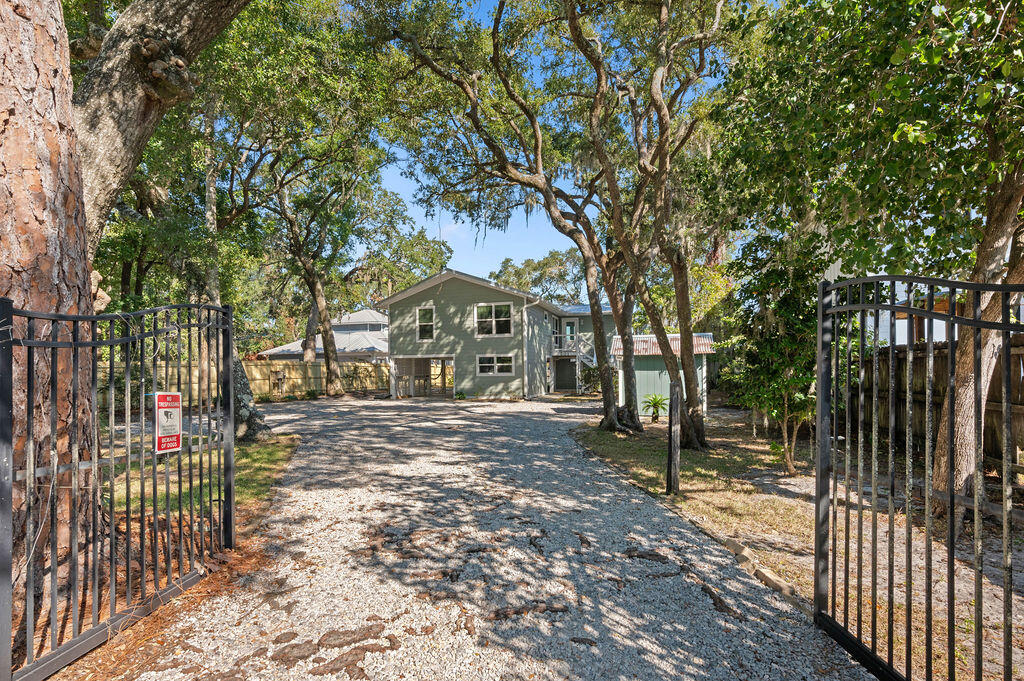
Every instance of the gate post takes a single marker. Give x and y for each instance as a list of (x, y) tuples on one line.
[(674, 406), (227, 389), (6, 481), (823, 462)]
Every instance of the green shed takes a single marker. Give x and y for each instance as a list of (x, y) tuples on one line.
[(651, 375)]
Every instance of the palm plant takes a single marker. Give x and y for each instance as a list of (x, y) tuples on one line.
[(656, 404)]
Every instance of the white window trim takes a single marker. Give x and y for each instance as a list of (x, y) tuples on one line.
[(495, 357), (433, 323), (511, 322)]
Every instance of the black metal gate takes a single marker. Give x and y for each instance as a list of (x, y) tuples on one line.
[(908, 591), (98, 527)]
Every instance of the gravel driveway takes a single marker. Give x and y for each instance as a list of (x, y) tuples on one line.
[(430, 540)]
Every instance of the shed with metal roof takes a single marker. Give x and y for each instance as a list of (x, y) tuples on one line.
[(651, 374)]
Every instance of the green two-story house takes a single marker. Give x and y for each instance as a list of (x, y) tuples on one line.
[(457, 334)]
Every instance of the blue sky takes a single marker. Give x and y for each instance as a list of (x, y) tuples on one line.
[(474, 251)]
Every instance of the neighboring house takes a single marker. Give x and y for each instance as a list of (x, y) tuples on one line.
[(651, 375), (358, 337), (457, 333)]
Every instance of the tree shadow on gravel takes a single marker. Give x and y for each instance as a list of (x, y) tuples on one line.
[(539, 548)]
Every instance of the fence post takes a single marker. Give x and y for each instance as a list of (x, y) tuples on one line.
[(674, 405), (6, 481), (823, 464), (227, 525)]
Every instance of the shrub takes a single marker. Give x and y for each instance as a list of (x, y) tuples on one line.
[(311, 394), (460, 395)]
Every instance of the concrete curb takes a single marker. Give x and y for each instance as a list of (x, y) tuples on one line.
[(744, 556)]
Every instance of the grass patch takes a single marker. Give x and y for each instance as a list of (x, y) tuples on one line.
[(717, 488), (257, 467)]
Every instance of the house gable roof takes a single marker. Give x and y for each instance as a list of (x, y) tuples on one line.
[(446, 274), (584, 309), (366, 316), (346, 343)]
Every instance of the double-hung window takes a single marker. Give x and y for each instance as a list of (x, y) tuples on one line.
[(490, 365), (494, 319), (425, 323)]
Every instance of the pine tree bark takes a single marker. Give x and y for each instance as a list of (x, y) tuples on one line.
[(44, 251)]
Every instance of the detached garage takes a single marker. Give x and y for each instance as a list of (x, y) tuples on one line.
[(651, 376)]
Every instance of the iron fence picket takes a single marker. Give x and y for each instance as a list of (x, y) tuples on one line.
[(91, 542), (30, 492), (891, 588), (850, 318), (979, 481), (1007, 493), (951, 529), (6, 479), (929, 387)]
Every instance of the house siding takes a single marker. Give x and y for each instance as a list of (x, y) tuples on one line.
[(586, 327), (454, 301), (538, 345)]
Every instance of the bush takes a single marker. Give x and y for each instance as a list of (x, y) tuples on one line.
[(460, 395), (311, 394), (263, 397), (590, 380)]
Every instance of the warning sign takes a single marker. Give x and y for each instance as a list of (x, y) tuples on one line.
[(167, 430)]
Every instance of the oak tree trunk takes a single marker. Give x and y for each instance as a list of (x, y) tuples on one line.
[(332, 382), (250, 426), (688, 434), (140, 72), (309, 339), (623, 307), (679, 262), (610, 419), (1001, 233)]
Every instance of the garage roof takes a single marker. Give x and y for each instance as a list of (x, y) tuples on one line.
[(647, 344)]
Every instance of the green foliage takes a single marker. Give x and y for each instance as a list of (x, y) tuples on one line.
[(773, 359), (590, 379), (558, 277), (460, 395), (896, 126), (298, 100)]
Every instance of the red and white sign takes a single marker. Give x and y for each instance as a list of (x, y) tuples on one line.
[(167, 431)]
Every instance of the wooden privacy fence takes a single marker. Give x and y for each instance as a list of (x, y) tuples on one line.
[(910, 590), (993, 431), (273, 378), (277, 377)]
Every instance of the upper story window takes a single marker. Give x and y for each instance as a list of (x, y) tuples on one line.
[(494, 319), (424, 323)]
